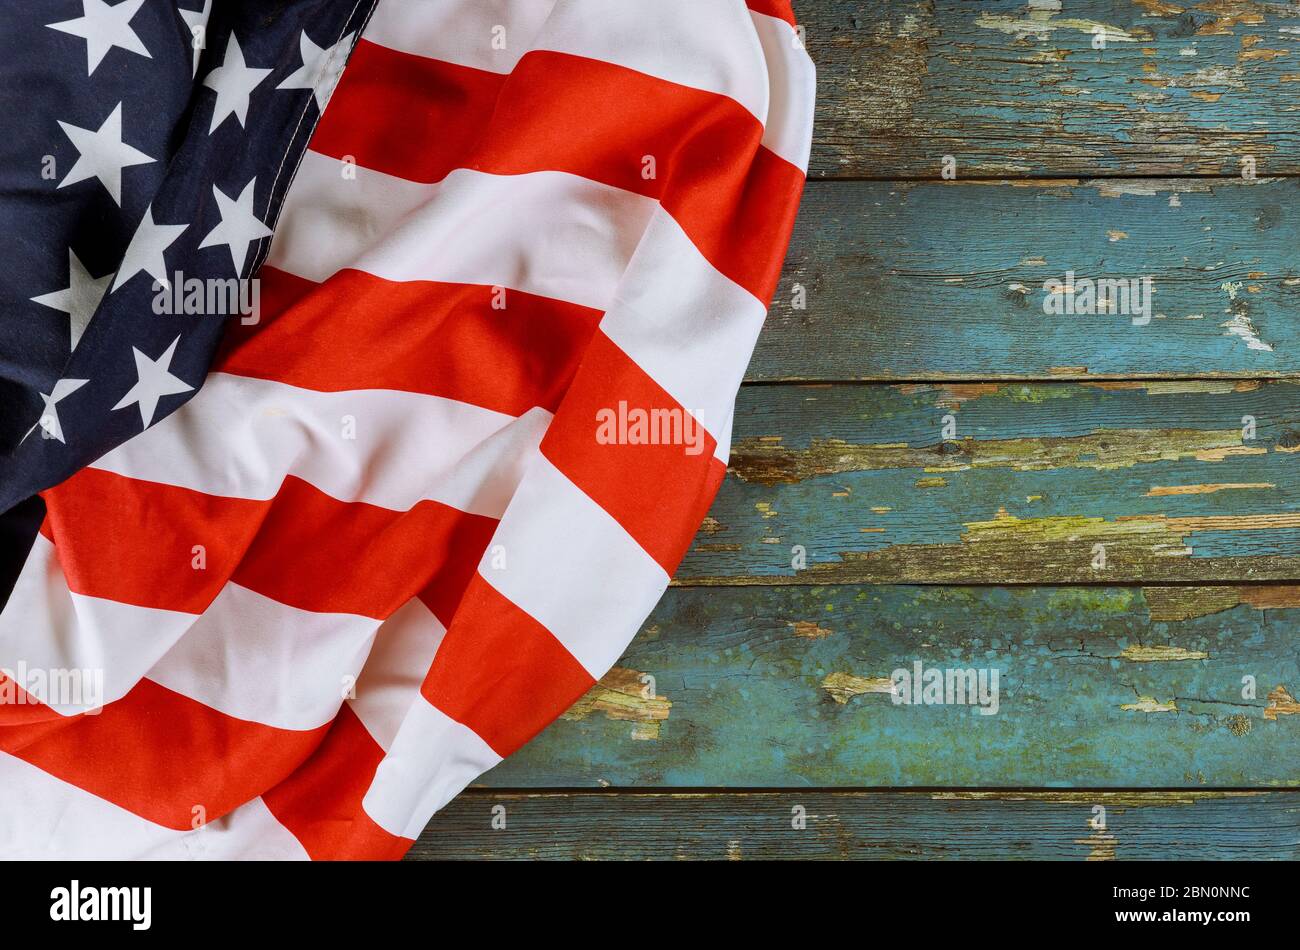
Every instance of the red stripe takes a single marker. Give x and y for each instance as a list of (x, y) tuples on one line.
[(407, 115), (500, 672), (733, 197), (133, 541), (781, 9), (658, 493), (162, 755), (321, 802), (19, 707), (130, 540), (503, 350), (316, 552)]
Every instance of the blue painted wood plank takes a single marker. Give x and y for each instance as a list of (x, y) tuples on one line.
[(895, 281), (780, 687), (1012, 90), (818, 825), (1008, 483)]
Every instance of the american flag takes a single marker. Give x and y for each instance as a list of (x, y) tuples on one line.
[(286, 578)]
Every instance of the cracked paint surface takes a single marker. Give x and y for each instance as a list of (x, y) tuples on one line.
[(896, 288), (1093, 691), (1177, 88), (1128, 481)]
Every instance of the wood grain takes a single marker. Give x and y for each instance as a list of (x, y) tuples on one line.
[(769, 665), (956, 825), (1016, 90), (863, 484), (891, 281), (788, 687)]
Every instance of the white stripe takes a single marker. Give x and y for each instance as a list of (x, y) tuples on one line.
[(42, 818), (256, 659), (548, 233), (395, 670), (693, 331), (239, 437), (248, 656), (704, 44), (573, 568), (50, 631), (483, 34), (432, 759), (792, 81)]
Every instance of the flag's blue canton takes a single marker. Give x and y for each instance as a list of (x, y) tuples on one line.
[(128, 156)]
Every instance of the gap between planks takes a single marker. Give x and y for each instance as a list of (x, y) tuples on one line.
[(795, 581), (1012, 379), (1055, 177), (662, 791)]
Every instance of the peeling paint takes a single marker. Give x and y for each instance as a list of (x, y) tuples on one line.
[(1162, 490), (1101, 846), (1228, 13), (952, 395), (1160, 654), (1040, 24), (622, 696), (1158, 8), (1112, 188), (1240, 326), (1251, 522), (1090, 796), (1149, 704), (1280, 703), (810, 630), (1261, 54), (1178, 386), (1176, 604), (1271, 597), (770, 464), (844, 686)]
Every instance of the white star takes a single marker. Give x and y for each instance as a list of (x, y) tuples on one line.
[(145, 252), (80, 299), (321, 68), (103, 27), (233, 83), (49, 420), (154, 381), (102, 154), (197, 21), (239, 226)]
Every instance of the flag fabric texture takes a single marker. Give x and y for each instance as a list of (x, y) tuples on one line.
[(510, 277)]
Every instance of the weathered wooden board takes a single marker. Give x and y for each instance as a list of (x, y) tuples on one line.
[(860, 483), (1011, 89), (946, 280), (1062, 826), (778, 687)]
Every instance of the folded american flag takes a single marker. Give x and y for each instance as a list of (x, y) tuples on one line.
[(315, 567)]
